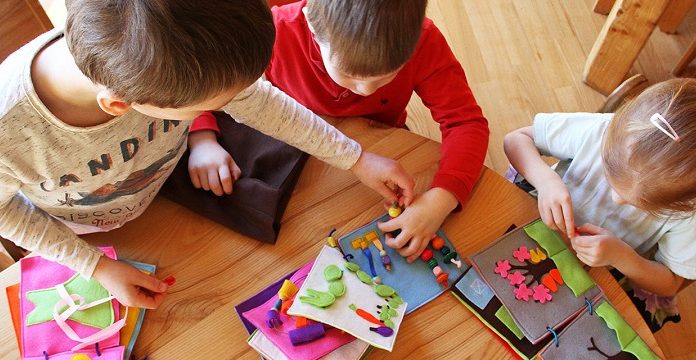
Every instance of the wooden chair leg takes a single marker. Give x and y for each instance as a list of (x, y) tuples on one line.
[(685, 60), (14, 251), (628, 27), (674, 14), (603, 6)]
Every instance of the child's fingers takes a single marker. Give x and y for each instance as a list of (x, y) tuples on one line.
[(591, 229), (203, 177), (417, 245), (583, 242), (194, 178), (558, 221), (400, 241), (149, 300), (225, 179), (569, 220), (385, 192), (149, 282), (407, 192), (214, 182), (389, 226), (547, 217), (236, 171)]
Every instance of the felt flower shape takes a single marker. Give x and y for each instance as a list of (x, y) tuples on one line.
[(541, 294), (521, 254), (522, 292), (515, 278), (502, 268)]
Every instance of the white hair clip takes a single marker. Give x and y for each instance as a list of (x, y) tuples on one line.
[(671, 133)]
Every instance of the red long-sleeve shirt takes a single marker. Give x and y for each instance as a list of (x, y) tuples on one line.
[(432, 72)]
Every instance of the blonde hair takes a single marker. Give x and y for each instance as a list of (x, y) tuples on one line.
[(657, 172)]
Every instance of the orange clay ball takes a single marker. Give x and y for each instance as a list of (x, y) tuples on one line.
[(437, 243)]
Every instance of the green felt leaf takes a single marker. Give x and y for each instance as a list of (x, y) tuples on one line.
[(332, 272), (568, 265), (320, 299), (504, 316), (337, 288), (628, 338), (352, 267), (366, 279), (99, 316), (384, 290)]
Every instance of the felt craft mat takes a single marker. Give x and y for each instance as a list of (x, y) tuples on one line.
[(403, 275), (332, 340), (114, 353), (258, 300), (531, 317), (134, 321), (355, 349), (468, 290), (339, 315), (39, 273), (129, 333)]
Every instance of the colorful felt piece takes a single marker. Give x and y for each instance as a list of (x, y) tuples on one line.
[(278, 336), (627, 337), (38, 274), (134, 320), (403, 275), (352, 350), (358, 311), (504, 316), (475, 289)]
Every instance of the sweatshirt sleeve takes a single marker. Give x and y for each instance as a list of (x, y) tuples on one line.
[(445, 91), (33, 229), (269, 110)]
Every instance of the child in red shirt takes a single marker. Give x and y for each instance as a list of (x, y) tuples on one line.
[(364, 58)]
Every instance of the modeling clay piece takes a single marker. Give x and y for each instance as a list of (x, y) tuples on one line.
[(440, 275), (273, 318), (364, 277), (337, 288), (362, 245), (306, 334), (318, 298), (384, 290), (332, 272), (301, 322), (386, 313), (394, 210), (287, 291), (332, 240), (169, 280), (386, 260), (352, 267), (448, 256), (365, 315), (383, 330), (395, 302)]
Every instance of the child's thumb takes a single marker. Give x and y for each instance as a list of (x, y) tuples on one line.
[(590, 229)]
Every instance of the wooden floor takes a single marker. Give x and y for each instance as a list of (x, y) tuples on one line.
[(526, 56)]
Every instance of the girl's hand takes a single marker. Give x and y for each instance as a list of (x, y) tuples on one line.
[(130, 286), (556, 206), (419, 222), (599, 247), (210, 166), (385, 176)]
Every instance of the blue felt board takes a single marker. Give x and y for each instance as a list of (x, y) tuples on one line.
[(414, 282), (151, 269), (475, 289)]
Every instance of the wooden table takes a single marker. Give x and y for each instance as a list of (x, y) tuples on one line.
[(217, 268), (629, 25)]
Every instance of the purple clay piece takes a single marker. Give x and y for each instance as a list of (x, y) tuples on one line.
[(383, 330), (273, 319), (306, 334)]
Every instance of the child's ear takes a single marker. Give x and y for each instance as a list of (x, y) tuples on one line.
[(111, 103), (311, 29)]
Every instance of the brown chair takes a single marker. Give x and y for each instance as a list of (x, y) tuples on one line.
[(685, 60)]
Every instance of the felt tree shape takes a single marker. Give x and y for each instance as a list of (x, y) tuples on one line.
[(531, 273), (621, 355)]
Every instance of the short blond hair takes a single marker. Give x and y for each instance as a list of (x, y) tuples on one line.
[(658, 172)]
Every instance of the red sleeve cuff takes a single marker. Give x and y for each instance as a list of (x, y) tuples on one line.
[(456, 186), (205, 121)]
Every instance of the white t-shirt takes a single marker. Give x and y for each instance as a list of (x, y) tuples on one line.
[(57, 180), (576, 140)]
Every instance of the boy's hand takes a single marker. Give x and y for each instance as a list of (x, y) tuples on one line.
[(210, 166), (556, 205), (385, 176), (419, 222), (130, 286), (599, 247)]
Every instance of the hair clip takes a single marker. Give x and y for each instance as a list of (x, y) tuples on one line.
[(671, 133)]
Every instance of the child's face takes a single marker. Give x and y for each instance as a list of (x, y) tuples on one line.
[(363, 86)]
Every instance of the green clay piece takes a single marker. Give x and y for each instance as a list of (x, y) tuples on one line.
[(384, 316), (337, 288), (384, 290), (352, 267), (332, 272), (389, 324), (366, 279), (320, 299), (395, 302), (449, 257), (100, 316)]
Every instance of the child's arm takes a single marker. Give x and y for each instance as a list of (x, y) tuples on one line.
[(555, 204), (35, 230), (601, 248), (274, 113)]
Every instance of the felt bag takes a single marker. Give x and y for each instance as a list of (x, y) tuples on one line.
[(270, 169)]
